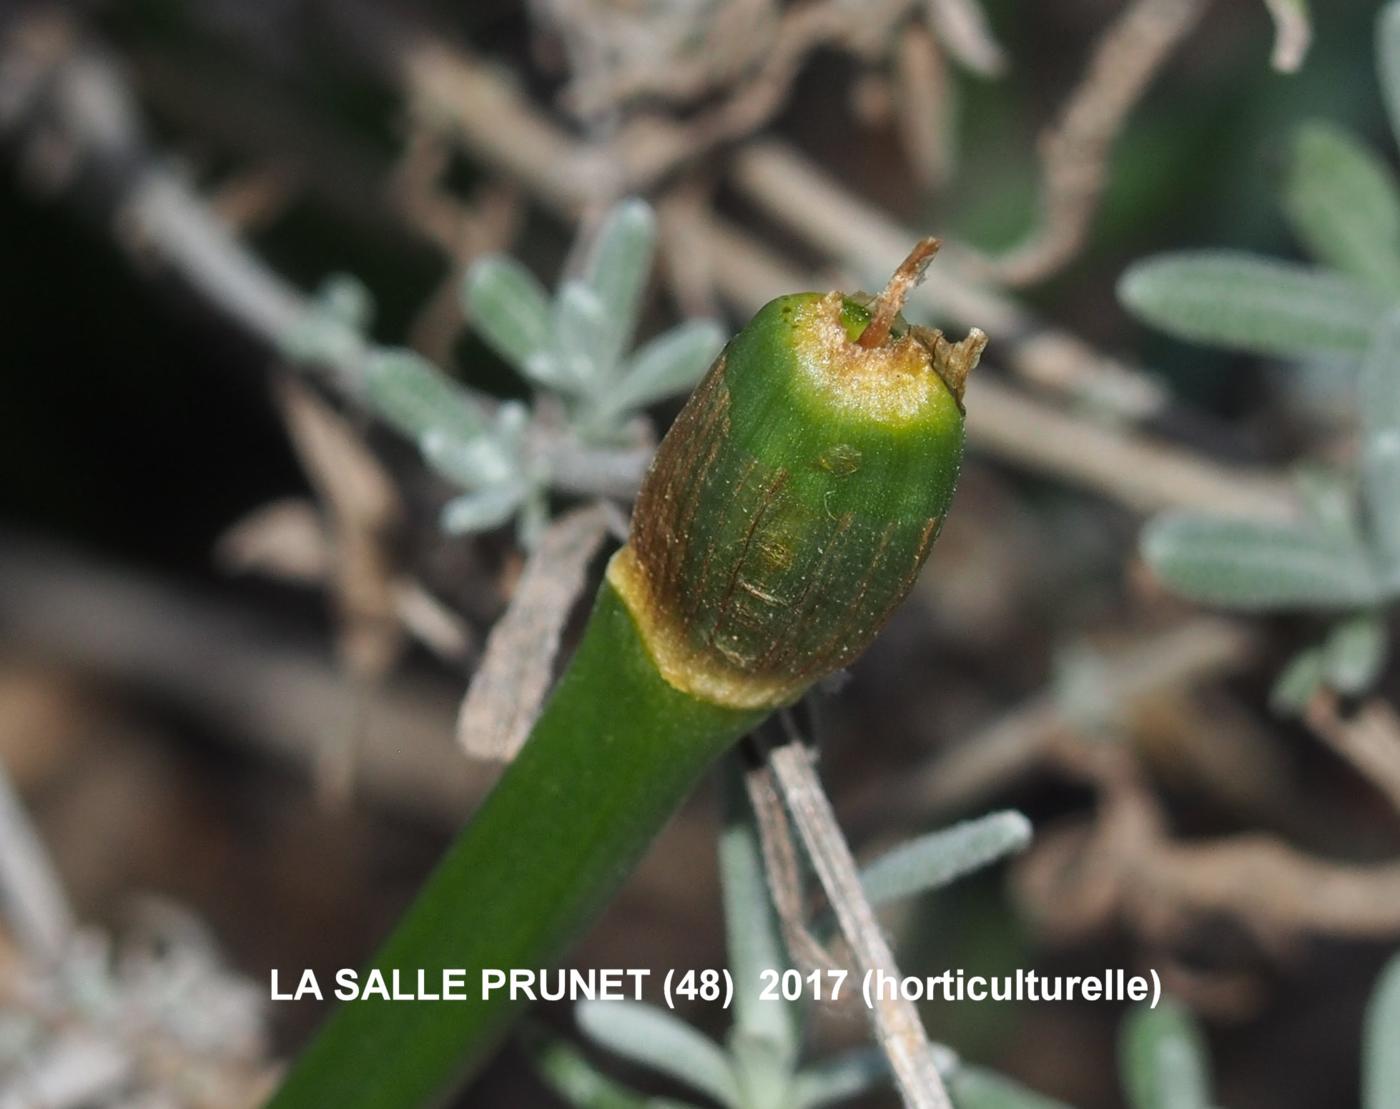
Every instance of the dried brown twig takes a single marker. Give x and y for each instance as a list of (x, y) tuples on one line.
[(1124, 866), (515, 671), (898, 1028), (1074, 152)]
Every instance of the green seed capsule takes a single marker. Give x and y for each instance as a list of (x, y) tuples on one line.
[(793, 502)]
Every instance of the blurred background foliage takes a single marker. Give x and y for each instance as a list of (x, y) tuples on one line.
[(161, 713)]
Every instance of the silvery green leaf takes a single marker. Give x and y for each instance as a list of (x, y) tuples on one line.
[(507, 307), (1251, 303), (1378, 394), (1380, 1064), (321, 339), (840, 1078), (472, 463), (1162, 1059), (617, 268), (416, 398), (575, 1079), (662, 1041), (533, 520), (752, 932), (1355, 652), (934, 860), (482, 509), (977, 1088), (762, 1068), (1388, 61), (512, 418), (1328, 498), (669, 364), (1247, 564), (1344, 206), (1298, 682), (345, 299), (546, 369), (581, 339)]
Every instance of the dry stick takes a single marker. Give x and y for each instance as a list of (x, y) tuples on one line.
[(221, 663), (780, 866), (997, 755), (31, 893), (897, 1025), (509, 686), (1074, 152)]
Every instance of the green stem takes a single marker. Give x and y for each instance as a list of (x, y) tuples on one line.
[(612, 756)]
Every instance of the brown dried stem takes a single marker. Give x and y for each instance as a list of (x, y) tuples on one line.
[(885, 308), (897, 1024)]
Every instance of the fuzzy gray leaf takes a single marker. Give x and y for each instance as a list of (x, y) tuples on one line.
[(932, 861), (1298, 682), (470, 463), (1251, 303), (976, 1088), (842, 1077), (657, 1039), (618, 266), (1380, 1076), (671, 363), (482, 509), (1344, 206), (508, 308), (1162, 1058), (1245, 564), (753, 935), (1355, 652), (1378, 390), (417, 398), (582, 343)]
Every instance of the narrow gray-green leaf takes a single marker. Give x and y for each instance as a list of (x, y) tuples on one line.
[(841, 1077), (1328, 496), (1380, 1064), (1378, 393), (1388, 62), (938, 858), (575, 1079), (345, 299), (752, 931), (1162, 1058), (507, 307), (471, 463), (1246, 564), (1251, 303), (417, 398), (977, 1088), (1298, 681), (482, 509), (1355, 652), (1344, 206), (671, 363), (582, 343), (618, 266), (662, 1041)]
